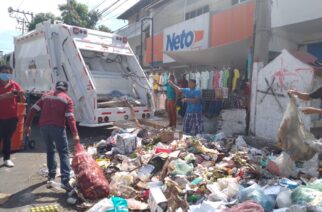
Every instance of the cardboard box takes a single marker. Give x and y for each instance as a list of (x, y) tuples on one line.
[(157, 201)]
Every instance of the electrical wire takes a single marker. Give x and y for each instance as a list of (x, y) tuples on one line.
[(109, 7), (122, 3), (97, 6), (20, 4)]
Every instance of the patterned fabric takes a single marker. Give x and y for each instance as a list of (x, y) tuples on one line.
[(193, 124)]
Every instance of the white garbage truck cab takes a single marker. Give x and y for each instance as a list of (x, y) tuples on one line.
[(100, 68)]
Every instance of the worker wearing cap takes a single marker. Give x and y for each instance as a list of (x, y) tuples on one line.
[(54, 107)]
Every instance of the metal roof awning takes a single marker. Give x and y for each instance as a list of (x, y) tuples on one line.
[(228, 54)]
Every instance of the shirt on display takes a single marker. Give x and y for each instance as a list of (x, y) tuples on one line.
[(165, 78), (151, 79), (216, 81), (235, 79), (204, 79), (160, 82), (162, 100), (221, 74), (187, 77), (225, 78), (198, 80), (156, 78), (211, 78)]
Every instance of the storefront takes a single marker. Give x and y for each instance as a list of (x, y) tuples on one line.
[(213, 49)]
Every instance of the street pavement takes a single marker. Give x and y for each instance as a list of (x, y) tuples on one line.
[(26, 181)]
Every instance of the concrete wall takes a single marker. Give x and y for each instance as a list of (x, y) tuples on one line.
[(287, 12), (289, 73)]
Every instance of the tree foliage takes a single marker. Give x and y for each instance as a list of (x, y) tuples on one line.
[(104, 28), (77, 14), (40, 17)]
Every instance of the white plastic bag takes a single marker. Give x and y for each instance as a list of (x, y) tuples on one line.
[(293, 138)]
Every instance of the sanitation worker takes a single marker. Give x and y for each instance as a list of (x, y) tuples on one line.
[(10, 94), (54, 107)]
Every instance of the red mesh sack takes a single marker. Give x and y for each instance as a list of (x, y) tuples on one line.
[(90, 177)]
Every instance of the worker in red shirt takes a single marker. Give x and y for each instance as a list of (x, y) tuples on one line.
[(54, 107), (10, 94)]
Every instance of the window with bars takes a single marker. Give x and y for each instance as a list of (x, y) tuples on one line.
[(233, 2), (197, 12)]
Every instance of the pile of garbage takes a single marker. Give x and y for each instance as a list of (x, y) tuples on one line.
[(146, 169), (164, 170)]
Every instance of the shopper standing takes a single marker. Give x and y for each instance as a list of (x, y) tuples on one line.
[(54, 107), (10, 94), (192, 122)]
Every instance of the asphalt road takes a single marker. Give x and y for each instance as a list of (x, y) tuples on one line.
[(26, 182)]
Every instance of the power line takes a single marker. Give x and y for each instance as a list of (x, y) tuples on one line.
[(115, 8), (20, 4), (109, 7), (97, 6)]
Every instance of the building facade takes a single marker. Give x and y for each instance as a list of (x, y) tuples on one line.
[(210, 33)]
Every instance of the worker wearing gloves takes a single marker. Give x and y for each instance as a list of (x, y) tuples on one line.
[(54, 107), (192, 122), (10, 94), (307, 97)]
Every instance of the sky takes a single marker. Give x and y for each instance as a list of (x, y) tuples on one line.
[(8, 25)]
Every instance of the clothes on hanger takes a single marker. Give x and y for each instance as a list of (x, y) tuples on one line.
[(211, 78), (198, 80), (225, 77), (204, 79), (156, 78), (235, 79)]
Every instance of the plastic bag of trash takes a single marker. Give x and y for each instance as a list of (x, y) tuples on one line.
[(121, 185), (90, 177), (256, 194), (293, 138), (102, 206), (180, 167), (283, 166), (246, 206), (310, 194), (224, 189)]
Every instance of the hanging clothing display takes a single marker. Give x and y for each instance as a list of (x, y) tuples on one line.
[(162, 100), (204, 79), (156, 78), (225, 78), (198, 80), (216, 80), (211, 79), (235, 79)]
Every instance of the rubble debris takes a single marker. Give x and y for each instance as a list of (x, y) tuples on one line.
[(157, 171)]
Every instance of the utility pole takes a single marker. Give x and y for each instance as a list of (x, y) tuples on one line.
[(23, 18), (262, 31)]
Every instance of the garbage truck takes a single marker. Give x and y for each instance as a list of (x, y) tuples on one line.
[(104, 76)]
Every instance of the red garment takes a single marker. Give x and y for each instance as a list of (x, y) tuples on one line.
[(8, 107), (54, 107)]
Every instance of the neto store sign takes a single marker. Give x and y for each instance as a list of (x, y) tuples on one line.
[(185, 40), (186, 36)]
